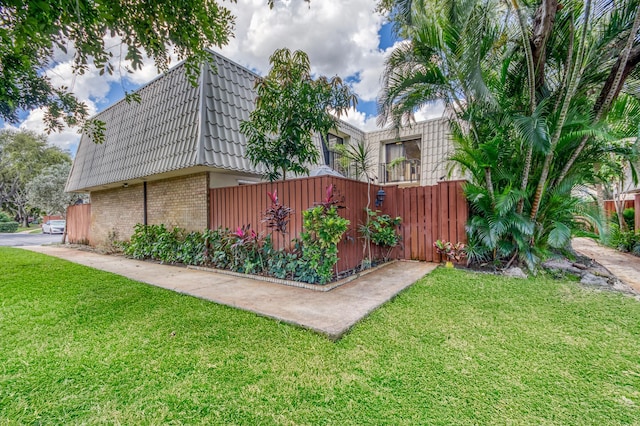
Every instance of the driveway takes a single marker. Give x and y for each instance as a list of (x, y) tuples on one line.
[(16, 240)]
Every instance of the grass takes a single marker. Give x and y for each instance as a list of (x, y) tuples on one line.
[(84, 346)]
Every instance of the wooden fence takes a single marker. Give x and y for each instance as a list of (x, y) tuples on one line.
[(428, 213), (79, 224)]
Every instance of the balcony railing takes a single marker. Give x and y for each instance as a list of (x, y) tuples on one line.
[(400, 171)]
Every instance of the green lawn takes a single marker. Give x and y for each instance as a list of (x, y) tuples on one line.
[(83, 346)]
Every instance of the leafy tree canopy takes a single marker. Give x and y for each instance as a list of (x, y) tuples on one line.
[(23, 156), (46, 191), (31, 31), (290, 107)]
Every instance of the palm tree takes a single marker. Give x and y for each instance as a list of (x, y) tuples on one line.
[(529, 86)]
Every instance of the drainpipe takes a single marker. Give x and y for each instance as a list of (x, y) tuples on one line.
[(144, 198)]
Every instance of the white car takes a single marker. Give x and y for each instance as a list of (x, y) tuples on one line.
[(54, 226)]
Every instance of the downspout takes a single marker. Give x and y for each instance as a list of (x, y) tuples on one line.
[(144, 201)]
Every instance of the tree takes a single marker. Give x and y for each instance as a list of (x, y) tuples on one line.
[(46, 191), (31, 31), (290, 106), (529, 86), (23, 155)]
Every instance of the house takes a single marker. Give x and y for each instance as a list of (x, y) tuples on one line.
[(162, 155)]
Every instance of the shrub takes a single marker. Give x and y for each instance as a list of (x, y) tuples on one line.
[(625, 241), (629, 216), (8, 227), (323, 229), (5, 217), (381, 230)]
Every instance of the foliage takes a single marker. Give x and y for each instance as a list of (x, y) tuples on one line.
[(381, 230), (552, 352), (361, 158), (23, 156), (5, 217), (46, 191), (542, 97), (290, 106), (246, 255), (8, 227), (277, 215), (626, 241), (35, 32), (629, 216), (323, 229), (452, 251)]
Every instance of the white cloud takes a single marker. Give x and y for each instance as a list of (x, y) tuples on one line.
[(341, 38), (360, 120)]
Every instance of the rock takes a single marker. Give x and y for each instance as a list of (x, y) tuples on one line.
[(561, 265), (593, 280), (514, 272), (580, 265)]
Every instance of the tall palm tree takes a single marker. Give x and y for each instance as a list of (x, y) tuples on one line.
[(529, 85)]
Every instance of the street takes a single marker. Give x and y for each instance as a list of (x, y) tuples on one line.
[(16, 240)]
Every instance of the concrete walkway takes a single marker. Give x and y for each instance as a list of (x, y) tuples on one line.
[(332, 313), (625, 266)]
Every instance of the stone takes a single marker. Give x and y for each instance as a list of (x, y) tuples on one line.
[(514, 272), (561, 265), (593, 280)]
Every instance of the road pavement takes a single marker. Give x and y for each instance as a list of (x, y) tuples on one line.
[(17, 240)]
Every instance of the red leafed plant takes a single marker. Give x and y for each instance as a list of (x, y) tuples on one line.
[(277, 216), (331, 198)]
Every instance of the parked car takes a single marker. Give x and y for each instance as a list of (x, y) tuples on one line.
[(54, 226)]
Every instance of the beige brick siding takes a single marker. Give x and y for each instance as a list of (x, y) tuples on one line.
[(115, 210), (181, 201)]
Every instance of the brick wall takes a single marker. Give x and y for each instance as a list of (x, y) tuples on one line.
[(180, 201), (115, 210)]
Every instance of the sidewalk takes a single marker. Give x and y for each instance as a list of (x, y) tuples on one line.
[(332, 313), (625, 266)]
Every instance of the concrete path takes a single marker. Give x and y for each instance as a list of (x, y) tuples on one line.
[(332, 313), (625, 266)]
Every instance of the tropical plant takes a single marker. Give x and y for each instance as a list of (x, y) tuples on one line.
[(529, 87), (452, 251), (360, 158), (277, 215), (323, 229), (381, 230), (290, 107)]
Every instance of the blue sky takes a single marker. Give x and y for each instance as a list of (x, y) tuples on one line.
[(347, 39)]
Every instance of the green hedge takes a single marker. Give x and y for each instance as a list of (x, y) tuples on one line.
[(8, 227)]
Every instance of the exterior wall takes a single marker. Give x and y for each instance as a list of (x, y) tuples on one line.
[(115, 211), (180, 201), (435, 149), (221, 180)]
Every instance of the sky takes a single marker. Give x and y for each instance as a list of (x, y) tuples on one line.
[(344, 38)]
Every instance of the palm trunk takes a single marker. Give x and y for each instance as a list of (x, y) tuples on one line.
[(611, 88), (573, 80)]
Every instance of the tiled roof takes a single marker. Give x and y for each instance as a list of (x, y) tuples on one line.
[(174, 126)]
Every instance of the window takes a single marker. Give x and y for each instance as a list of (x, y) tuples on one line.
[(402, 161)]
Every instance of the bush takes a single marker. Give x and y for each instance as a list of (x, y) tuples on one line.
[(8, 227), (381, 230), (626, 241), (629, 216), (322, 231), (5, 217)]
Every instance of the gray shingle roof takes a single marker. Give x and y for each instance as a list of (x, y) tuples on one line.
[(175, 126)]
